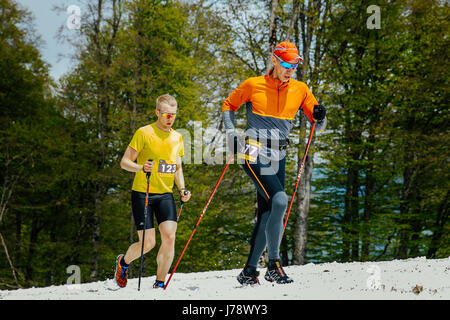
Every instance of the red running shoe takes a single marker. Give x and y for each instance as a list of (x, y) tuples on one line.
[(121, 272)]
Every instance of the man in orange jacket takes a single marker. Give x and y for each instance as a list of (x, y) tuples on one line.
[(271, 101)]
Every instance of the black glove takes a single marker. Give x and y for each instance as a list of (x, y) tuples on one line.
[(319, 112)]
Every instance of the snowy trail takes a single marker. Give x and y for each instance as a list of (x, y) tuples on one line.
[(417, 278)]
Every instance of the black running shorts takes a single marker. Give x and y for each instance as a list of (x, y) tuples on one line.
[(160, 205)]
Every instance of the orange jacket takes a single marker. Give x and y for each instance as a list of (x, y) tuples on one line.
[(271, 98)]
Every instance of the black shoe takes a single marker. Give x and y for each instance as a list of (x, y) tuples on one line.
[(248, 276), (158, 284), (276, 273)]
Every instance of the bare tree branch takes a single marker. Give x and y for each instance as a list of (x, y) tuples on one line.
[(9, 261)]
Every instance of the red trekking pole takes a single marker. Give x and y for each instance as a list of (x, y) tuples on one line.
[(198, 221), (299, 175)]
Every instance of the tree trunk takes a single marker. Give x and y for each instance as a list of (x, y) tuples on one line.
[(439, 225), (309, 27), (407, 194), (104, 54), (368, 207), (349, 212), (34, 232), (351, 202), (301, 221), (293, 24), (272, 33)]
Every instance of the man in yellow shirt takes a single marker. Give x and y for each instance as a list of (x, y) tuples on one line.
[(164, 146)]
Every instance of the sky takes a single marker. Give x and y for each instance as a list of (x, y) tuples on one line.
[(47, 22)]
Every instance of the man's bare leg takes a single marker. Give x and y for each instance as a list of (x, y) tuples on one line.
[(134, 250), (166, 251)]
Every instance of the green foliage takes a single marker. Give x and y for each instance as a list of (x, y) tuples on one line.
[(378, 151)]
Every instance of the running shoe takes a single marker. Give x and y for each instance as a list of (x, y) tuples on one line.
[(275, 273), (248, 276), (158, 284), (121, 272)]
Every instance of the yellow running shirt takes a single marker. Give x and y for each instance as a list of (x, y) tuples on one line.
[(163, 148)]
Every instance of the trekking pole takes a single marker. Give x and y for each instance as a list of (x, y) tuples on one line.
[(145, 226), (182, 202), (198, 221), (299, 175)]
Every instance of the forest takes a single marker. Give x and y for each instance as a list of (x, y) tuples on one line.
[(375, 186)]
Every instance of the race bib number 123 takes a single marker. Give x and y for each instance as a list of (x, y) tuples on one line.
[(166, 168)]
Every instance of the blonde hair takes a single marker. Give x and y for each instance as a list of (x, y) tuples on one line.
[(166, 99)]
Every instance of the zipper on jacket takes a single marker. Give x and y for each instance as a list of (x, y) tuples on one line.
[(278, 101)]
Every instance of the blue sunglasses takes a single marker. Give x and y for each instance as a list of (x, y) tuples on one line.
[(286, 65)]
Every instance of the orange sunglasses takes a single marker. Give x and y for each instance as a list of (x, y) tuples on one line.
[(167, 115)]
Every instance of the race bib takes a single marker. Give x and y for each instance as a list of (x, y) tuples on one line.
[(165, 168), (251, 150)]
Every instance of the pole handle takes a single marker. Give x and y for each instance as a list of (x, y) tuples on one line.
[(181, 204), (185, 192), (149, 173)]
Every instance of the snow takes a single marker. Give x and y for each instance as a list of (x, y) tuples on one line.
[(418, 278)]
